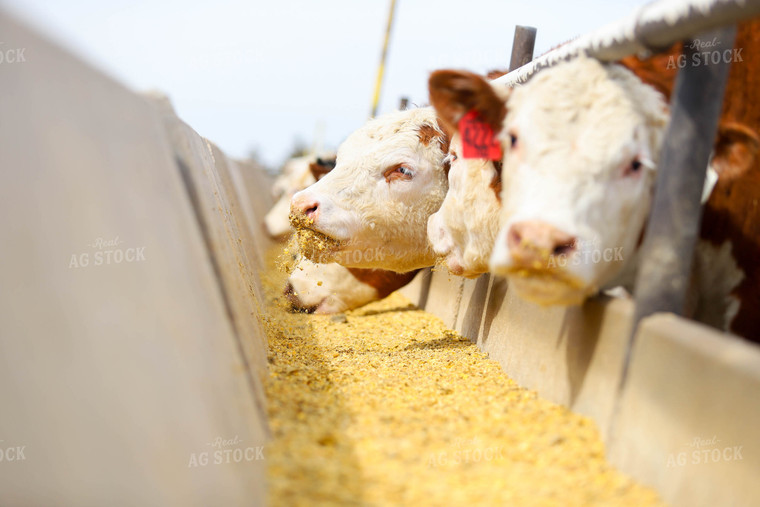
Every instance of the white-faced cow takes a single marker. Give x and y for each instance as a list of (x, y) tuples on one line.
[(581, 145), (464, 229), (329, 288), (371, 211)]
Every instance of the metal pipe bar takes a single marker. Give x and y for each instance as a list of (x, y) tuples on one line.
[(651, 27), (522, 46)]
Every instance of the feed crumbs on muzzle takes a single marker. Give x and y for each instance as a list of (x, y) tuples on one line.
[(388, 406), (312, 244)]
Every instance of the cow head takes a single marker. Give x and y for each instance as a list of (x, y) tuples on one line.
[(371, 210), (581, 143), (463, 231)]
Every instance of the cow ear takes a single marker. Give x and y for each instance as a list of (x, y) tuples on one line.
[(318, 170), (736, 149), (453, 93)]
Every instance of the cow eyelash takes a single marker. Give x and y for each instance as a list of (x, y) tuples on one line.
[(405, 171)]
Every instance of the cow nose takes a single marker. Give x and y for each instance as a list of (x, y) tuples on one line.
[(305, 204), (532, 242)]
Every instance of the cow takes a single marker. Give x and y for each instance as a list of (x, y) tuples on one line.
[(327, 288), (464, 229), (578, 175), (371, 211), (581, 144)]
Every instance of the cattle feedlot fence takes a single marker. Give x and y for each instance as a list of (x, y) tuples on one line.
[(673, 226)]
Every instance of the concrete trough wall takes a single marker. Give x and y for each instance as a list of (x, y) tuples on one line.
[(686, 421), (131, 352)]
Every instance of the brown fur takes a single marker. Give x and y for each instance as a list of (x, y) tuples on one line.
[(427, 133), (496, 181), (385, 282), (318, 170), (654, 70), (733, 211), (454, 93), (495, 74)]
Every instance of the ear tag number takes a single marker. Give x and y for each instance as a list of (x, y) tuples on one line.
[(478, 140)]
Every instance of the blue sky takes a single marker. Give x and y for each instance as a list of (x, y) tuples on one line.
[(253, 74)]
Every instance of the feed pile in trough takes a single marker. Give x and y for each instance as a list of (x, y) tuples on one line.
[(386, 406)]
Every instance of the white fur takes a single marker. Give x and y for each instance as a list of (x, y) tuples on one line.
[(331, 288), (464, 229)]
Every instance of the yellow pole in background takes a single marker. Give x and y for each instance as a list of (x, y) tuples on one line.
[(381, 69)]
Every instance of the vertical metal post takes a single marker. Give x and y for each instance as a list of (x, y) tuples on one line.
[(522, 46), (383, 56), (668, 248)]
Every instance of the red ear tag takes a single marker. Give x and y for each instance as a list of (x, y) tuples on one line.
[(478, 140)]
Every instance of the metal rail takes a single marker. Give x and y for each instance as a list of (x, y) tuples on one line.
[(651, 27)]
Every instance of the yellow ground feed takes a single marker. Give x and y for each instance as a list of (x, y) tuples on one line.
[(386, 406)]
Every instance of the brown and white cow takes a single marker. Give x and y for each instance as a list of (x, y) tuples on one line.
[(329, 288), (581, 144), (371, 211), (464, 229)]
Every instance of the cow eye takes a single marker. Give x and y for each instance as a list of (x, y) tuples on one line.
[(399, 172), (634, 167), (513, 140)]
